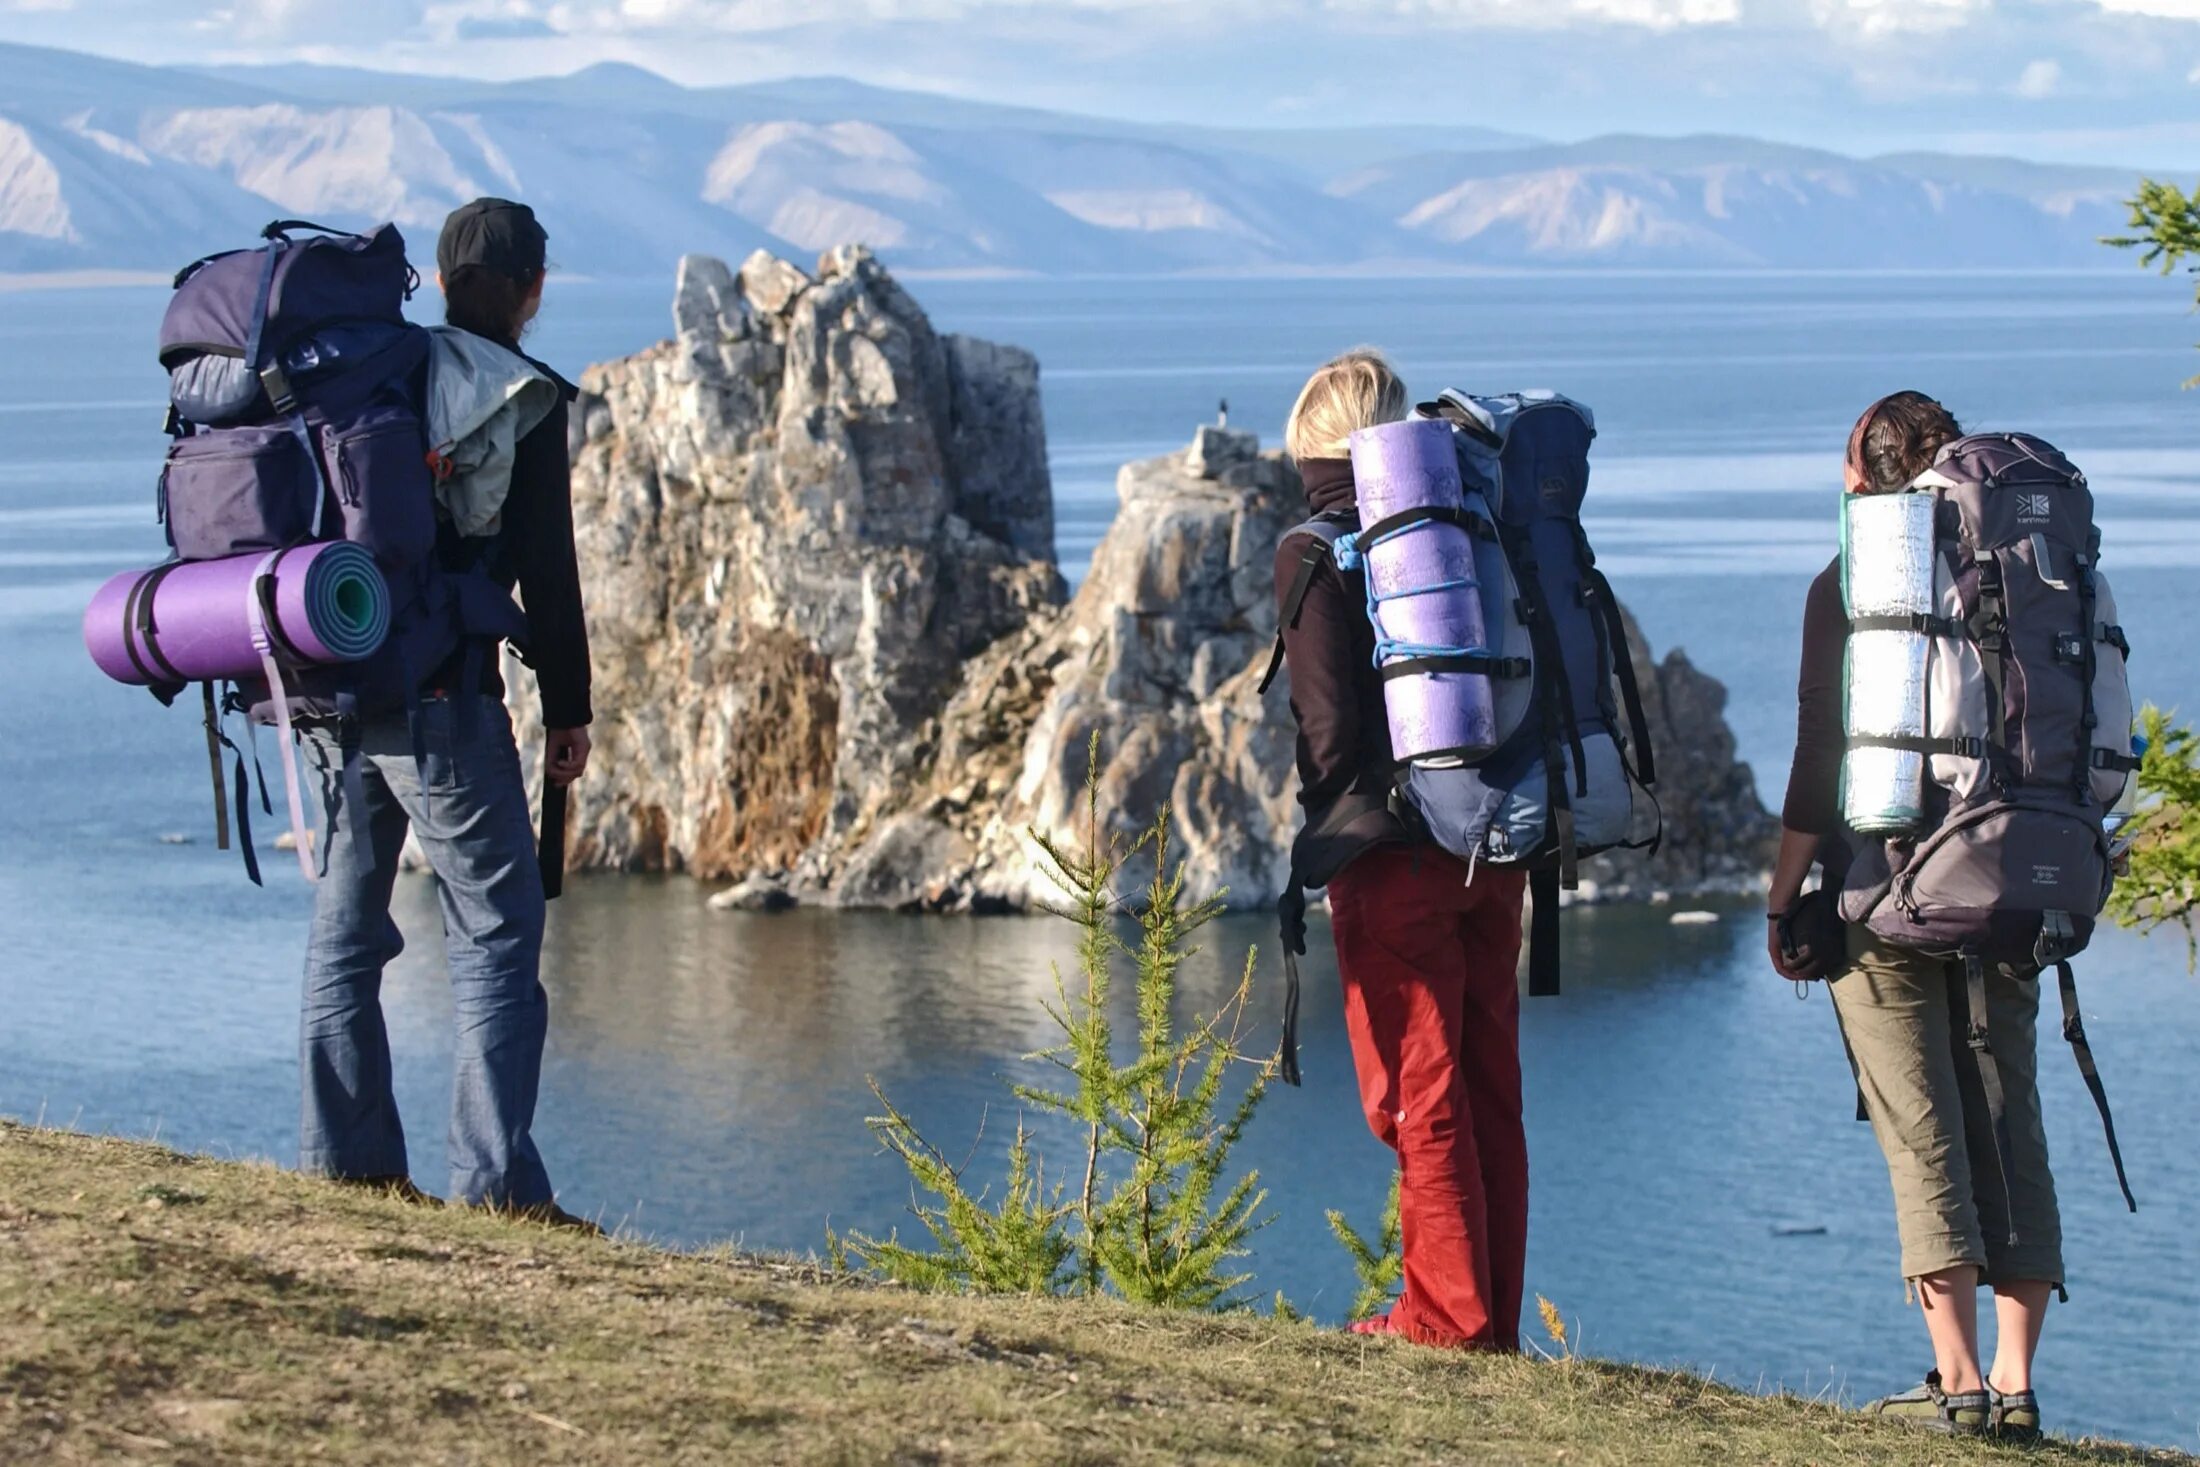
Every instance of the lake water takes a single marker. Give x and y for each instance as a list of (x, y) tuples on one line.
[(706, 1076)]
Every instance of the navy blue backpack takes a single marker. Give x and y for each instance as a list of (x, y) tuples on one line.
[(297, 413)]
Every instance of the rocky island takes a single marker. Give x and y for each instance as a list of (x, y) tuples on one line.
[(836, 661)]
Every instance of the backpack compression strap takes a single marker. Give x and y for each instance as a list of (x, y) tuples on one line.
[(2088, 662), (2074, 1032), (1990, 630), (214, 741), (1560, 725), (260, 616), (1543, 931), (1426, 514)]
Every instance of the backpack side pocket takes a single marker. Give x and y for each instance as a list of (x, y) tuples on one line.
[(233, 491)]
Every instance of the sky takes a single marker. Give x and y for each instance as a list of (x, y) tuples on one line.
[(2110, 81)]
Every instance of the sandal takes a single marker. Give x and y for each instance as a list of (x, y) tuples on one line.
[(2016, 1416), (1969, 1414)]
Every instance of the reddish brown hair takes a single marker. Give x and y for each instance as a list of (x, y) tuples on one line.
[(1896, 440)]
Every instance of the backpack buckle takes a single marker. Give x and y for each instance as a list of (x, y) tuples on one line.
[(277, 387), (2058, 938)]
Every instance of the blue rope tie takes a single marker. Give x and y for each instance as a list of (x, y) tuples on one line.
[(1351, 555)]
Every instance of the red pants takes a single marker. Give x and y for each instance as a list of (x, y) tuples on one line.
[(1432, 1001)]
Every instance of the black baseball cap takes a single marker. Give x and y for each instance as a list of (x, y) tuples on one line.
[(496, 234)]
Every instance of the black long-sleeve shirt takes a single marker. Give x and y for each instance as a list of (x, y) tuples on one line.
[(537, 556), (1344, 755), (1813, 804)]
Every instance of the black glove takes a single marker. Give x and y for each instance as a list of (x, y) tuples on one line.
[(1814, 922), (1291, 909)]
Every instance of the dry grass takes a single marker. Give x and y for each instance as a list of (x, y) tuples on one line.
[(181, 1310)]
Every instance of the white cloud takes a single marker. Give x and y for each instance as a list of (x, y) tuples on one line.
[(1652, 14), (2039, 79), (279, 22), (2173, 9), (1871, 19)]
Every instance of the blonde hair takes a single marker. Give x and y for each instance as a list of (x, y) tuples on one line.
[(1357, 390)]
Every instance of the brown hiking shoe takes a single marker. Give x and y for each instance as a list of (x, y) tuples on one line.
[(550, 1215), (396, 1188)]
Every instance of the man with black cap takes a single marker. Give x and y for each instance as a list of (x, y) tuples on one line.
[(450, 772)]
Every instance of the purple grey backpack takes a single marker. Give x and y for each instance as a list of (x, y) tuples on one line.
[(297, 392), (2007, 677)]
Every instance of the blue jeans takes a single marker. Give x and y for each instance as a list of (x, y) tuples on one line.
[(473, 822)]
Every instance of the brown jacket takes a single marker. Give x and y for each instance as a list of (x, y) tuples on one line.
[(1344, 759)]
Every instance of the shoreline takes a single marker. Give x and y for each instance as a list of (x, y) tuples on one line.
[(99, 278)]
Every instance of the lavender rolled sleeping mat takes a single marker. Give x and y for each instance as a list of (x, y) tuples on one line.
[(194, 622), (1423, 591), (240, 618)]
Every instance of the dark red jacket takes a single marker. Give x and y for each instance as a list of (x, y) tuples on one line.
[(1813, 804), (1345, 765)]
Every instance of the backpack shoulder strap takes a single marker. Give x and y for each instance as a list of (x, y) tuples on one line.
[(1611, 630), (1321, 535)]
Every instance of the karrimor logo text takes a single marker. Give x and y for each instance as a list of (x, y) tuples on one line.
[(2034, 508)]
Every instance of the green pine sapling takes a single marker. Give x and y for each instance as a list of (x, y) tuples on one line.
[(1380, 1265), (1155, 1217), (2166, 229), (2161, 882)]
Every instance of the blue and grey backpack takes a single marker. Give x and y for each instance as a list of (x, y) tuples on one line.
[(1572, 768)]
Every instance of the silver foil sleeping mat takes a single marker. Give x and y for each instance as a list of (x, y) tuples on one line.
[(1886, 570)]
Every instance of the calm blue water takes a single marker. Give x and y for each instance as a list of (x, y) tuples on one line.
[(707, 1072)]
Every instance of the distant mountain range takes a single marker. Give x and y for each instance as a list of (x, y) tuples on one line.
[(108, 165)]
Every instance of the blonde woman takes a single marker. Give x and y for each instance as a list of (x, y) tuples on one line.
[(1427, 956)]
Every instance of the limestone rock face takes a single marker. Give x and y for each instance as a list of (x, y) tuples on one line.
[(792, 538), (1160, 656), (833, 664), (1718, 836)]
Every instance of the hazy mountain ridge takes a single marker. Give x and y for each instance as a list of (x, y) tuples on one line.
[(1743, 202), (108, 165)]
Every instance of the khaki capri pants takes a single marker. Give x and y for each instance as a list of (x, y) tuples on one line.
[(1906, 1017)]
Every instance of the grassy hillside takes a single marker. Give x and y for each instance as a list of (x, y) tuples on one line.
[(159, 1307)]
